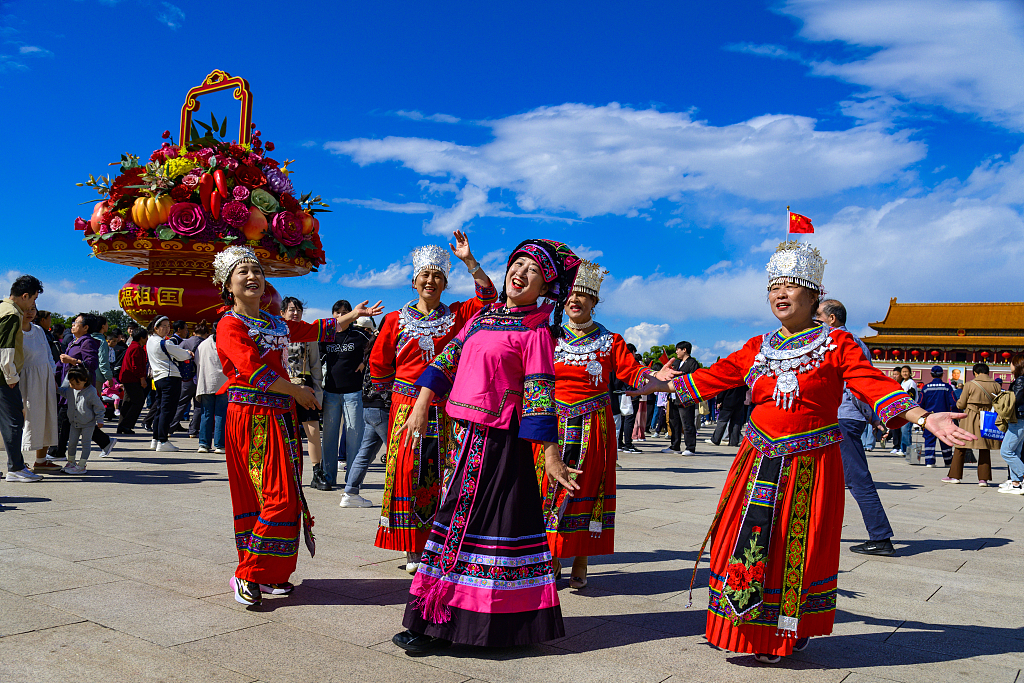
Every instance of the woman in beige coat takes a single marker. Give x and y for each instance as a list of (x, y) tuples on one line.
[(976, 397)]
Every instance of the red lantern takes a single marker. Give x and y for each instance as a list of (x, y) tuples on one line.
[(915, 353), (935, 354), (877, 352), (984, 354), (1006, 355), (895, 353)]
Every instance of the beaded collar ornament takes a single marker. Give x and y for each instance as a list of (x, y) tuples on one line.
[(424, 328), (796, 262), (431, 257), (225, 262), (585, 353), (270, 334), (589, 278), (786, 360)]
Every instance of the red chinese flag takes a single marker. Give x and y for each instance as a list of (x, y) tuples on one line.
[(800, 224), (664, 359)]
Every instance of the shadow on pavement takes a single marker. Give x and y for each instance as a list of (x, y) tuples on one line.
[(917, 547)]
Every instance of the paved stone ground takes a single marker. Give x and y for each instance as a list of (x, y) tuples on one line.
[(122, 575)]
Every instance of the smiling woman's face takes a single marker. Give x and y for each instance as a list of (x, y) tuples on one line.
[(794, 305), (247, 282), (524, 282), (580, 307), (429, 284)]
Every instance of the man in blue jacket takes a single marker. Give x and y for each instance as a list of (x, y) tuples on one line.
[(936, 396)]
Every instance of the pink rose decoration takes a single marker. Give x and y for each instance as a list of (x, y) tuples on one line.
[(286, 228), (191, 181), (240, 192), (186, 219), (116, 223), (235, 214)]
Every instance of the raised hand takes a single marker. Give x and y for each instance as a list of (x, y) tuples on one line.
[(363, 310), (461, 247), (943, 427)]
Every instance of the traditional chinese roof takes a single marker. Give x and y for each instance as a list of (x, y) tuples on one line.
[(963, 325)]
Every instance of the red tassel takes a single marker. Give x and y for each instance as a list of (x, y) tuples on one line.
[(430, 603)]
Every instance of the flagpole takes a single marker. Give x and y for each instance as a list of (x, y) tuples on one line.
[(789, 221)]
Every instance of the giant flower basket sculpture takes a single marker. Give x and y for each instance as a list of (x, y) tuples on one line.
[(172, 214)]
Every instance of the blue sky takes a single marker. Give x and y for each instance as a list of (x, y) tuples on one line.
[(663, 139)]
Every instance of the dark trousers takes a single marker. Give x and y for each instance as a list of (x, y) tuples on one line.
[(929, 449), (185, 400), (12, 425), (897, 439), (132, 405), (858, 478), (168, 391), (731, 419), (684, 426)]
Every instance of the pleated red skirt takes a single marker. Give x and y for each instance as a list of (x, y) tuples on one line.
[(825, 491)]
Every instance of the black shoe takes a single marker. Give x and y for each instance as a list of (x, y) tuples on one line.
[(246, 592), (883, 548), (124, 431), (419, 642)]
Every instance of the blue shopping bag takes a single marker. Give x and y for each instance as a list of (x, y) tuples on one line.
[(988, 426)]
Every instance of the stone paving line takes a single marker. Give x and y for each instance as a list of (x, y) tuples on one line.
[(122, 575)]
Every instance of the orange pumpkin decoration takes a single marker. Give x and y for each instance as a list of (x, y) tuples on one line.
[(149, 212), (256, 227)]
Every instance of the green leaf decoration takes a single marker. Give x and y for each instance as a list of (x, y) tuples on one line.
[(165, 233), (206, 127), (224, 127)]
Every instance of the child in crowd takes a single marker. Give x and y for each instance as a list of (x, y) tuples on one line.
[(85, 413)]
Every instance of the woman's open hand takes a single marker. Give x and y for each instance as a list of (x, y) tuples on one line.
[(414, 428), (558, 471), (943, 427)]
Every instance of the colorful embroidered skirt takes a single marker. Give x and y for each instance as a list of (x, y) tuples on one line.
[(485, 577), (796, 501), (584, 524), (412, 479), (265, 473)]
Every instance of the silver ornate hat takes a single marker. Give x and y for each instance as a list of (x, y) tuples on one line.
[(797, 262), (589, 277), (225, 262), (431, 257)]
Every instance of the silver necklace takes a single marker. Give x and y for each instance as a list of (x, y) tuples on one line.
[(787, 364), (425, 329), (587, 354)]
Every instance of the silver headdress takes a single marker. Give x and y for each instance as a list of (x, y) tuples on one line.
[(431, 257), (225, 262), (589, 277), (797, 262)]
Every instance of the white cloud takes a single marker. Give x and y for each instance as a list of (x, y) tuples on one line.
[(171, 15), (965, 55), (34, 51), (395, 275), (394, 207), (419, 116), (721, 265), (720, 349), (8, 63), (645, 335), (924, 248), (773, 51), (61, 297), (325, 273), (590, 161), (585, 252)]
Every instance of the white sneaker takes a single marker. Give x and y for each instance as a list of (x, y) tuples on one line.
[(688, 452), (895, 451), (1019, 490), (709, 441), (73, 469), (153, 444), (23, 476), (1006, 484), (218, 450), (354, 500), (53, 458), (166, 446), (109, 448), (202, 449), (412, 567), (670, 450)]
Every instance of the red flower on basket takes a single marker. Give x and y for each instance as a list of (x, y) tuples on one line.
[(755, 574)]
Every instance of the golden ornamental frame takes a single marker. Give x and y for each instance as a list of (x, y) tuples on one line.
[(216, 81)]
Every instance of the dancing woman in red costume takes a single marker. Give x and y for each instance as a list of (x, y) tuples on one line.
[(775, 537), (264, 457)]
